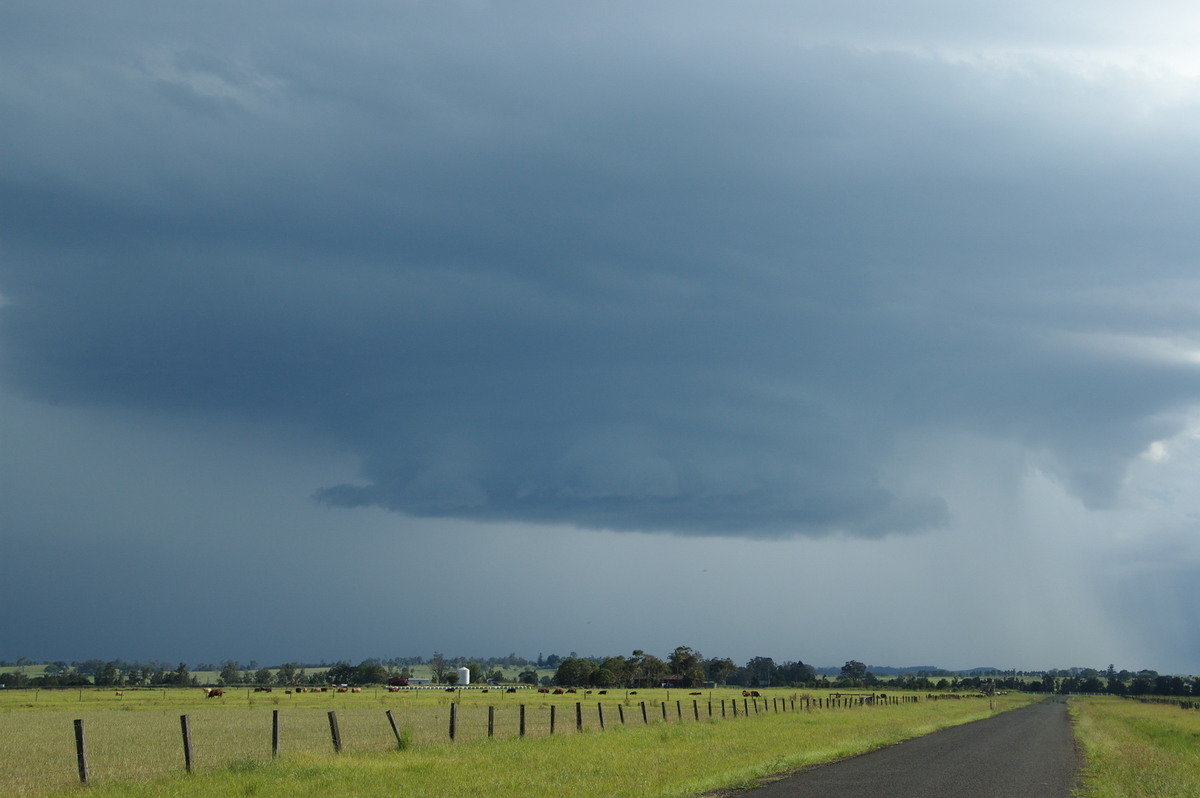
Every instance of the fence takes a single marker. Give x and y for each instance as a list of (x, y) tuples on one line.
[(206, 737)]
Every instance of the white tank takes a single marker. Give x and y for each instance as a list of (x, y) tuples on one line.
[(464, 676)]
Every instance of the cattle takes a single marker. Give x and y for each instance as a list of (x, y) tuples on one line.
[(511, 690), (695, 694), (120, 694), (603, 692), (262, 689), (559, 691), (356, 689), (343, 690), (213, 692), (572, 690), (751, 694), (543, 689), (633, 692)]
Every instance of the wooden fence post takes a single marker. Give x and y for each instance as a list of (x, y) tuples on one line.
[(552, 718), (491, 721), (185, 727), (621, 712), (453, 718), (522, 720), (644, 718), (274, 733), (679, 710), (664, 709), (395, 730), (696, 709), (80, 753), (600, 712), (578, 716), (334, 733)]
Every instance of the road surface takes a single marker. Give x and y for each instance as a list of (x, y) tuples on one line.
[(1022, 753)]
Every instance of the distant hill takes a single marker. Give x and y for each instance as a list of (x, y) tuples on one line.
[(912, 670)]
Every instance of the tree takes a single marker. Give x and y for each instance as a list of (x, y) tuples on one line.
[(340, 673), (263, 676), (438, 668), (761, 671), (370, 673), (616, 671), (182, 677), (645, 668), (286, 676), (686, 662), (107, 675), (229, 673), (574, 671), (528, 676), (719, 669), (854, 673)]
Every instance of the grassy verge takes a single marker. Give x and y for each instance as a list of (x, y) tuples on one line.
[(673, 758), (1137, 750)]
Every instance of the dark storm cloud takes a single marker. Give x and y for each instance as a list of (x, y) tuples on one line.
[(564, 270)]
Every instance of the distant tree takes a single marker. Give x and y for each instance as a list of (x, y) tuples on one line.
[(14, 679), (528, 676), (286, 675), (370, 673), (616, 671), (476, 670), (719, 669), (854, 672), (574, 671), (687, 663), (761, 672), (340, 673), (107, 676), (645, 669), (182, 676), (263, 676), (451, 678), (438, 667), (229, 673)]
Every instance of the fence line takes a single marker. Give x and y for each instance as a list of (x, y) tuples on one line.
[(464, 722)]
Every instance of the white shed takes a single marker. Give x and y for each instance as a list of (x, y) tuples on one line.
[(464, 676)]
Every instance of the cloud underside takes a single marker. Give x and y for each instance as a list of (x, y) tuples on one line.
[(626, 292)]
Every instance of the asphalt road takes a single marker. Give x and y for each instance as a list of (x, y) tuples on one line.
[(1023, 753)]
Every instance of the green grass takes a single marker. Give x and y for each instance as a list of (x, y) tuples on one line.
[(1137, 750), (134, 744)]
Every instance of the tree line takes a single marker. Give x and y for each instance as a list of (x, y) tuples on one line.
[(683, 667)]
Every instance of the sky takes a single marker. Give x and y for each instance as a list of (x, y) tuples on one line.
[(805, 330)]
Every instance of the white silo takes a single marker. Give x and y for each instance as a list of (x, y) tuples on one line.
[(464, 676)]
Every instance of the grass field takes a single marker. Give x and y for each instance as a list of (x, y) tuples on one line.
[(134, 743), (1136, 750)]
